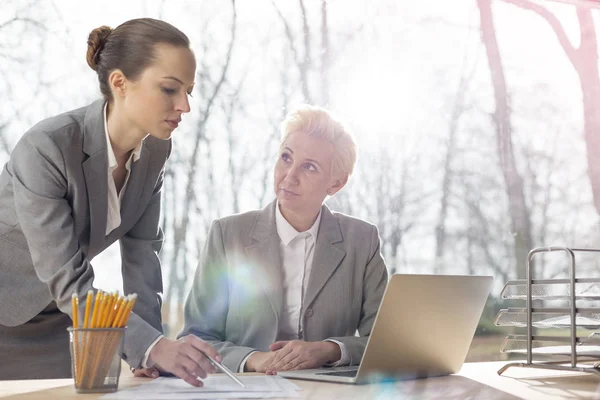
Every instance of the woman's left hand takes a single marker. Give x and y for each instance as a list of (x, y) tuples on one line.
[(298, 354), (146, 372)]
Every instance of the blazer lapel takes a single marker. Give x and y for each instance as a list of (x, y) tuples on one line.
[(327, 256), (265, 254), (135, 184), (95, 172)]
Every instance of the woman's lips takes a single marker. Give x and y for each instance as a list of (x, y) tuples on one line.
[(173, 124), (288, 192)]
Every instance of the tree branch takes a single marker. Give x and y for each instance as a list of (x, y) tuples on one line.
[(554, 23)]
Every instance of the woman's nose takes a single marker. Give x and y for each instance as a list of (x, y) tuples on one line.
[(183, 105), (291, 175)]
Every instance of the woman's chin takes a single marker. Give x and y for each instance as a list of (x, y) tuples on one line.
[(285, 203)]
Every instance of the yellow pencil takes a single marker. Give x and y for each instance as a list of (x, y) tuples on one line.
[(128, 307), (97, 309), (115, 311), (76, 346), (105, 307), (88, 307), (75, 306), (122, 306), (82, 361)]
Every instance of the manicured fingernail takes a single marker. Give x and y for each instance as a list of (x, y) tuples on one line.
[(218, 358), (155, 374)]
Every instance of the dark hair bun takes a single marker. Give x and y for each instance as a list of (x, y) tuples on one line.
[(96, 41)]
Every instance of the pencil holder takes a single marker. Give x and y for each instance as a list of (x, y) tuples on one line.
[(96, 358)]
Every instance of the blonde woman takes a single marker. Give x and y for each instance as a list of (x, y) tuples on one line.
[(287, 287)]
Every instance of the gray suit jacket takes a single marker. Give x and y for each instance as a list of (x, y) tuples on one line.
[(237, 295), (53, 210)]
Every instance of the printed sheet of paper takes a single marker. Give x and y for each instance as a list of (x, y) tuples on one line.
[(215, 387)]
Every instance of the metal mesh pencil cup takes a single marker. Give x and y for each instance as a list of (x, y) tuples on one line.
[(96, 358)]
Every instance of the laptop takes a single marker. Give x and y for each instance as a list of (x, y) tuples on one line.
[(424, 328)]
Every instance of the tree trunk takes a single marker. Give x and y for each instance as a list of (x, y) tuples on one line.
[(586, 64), (440, 229), (519, 213), (324, 55), (178, 259)]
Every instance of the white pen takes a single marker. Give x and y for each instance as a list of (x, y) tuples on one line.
[(225, 370)]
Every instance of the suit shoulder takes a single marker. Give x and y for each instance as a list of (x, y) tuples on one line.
[(359, 235), (238, 221), (63, 130), (53, 133), (59, 124)]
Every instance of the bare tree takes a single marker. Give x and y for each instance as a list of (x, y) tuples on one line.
[(501, 117), (181, 209), (302, 61), (312, 73), (458, 109), (387, 194), (584, 59), (325, 55), (275, 116), (482, 232), (238, 160), (23, 32)]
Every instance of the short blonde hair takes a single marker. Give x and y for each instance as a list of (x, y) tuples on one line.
[(319, 123)]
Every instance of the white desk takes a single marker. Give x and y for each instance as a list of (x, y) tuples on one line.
[(475, 380)]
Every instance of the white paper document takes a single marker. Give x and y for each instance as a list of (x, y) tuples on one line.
[(215, 387)]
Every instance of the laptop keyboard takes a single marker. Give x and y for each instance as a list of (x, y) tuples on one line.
[(351, 373)]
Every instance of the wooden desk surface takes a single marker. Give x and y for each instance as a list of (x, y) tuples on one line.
[(475, 380)]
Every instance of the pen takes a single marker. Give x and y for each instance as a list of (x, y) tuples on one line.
[(225, 370)]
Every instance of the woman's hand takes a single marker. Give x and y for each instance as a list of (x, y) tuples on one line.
[(185, 358), (259, 361), (145, 372), (298, 354)]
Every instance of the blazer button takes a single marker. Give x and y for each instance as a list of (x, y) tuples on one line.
[(309, 313)]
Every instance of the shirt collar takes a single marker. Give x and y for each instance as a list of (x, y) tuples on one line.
[(112, 160), (287, 232)]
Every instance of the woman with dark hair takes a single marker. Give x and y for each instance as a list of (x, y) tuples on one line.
[(77, 182)]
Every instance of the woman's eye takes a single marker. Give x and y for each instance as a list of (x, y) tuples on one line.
[(310, 167), (169, 91), (285, 157)]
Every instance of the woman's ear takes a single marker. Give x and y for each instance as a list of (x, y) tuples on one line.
[(117, 82), (337, 184)]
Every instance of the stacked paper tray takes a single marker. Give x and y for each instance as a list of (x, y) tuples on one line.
[(552, 289), (588, 347), (587, 318)]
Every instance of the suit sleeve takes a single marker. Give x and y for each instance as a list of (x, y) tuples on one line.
[(374, 283), (206, 308), (141, 269), (45, 216)]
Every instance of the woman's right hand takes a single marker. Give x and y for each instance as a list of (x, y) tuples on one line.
[(185, 358)]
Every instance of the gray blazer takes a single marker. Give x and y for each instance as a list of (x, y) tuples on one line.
[(237, 295), (53, 210)]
